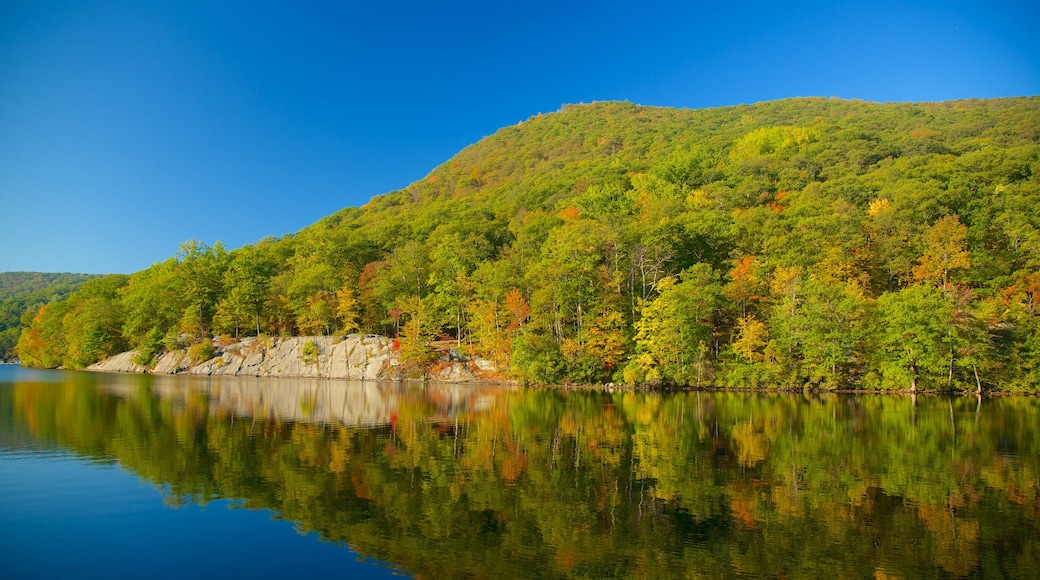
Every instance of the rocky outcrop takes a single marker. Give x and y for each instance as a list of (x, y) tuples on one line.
[(120, 363), (357, 357)]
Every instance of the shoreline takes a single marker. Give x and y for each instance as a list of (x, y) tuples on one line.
[(605, 388)]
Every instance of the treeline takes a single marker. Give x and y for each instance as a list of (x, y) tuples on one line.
[(21, 294), (797, 243)]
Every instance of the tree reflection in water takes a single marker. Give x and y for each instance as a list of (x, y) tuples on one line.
[(463, 480)]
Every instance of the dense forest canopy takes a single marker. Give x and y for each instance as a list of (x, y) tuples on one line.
[(22, 292), (796, 243)]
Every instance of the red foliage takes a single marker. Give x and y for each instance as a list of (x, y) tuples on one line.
[(368, 273)]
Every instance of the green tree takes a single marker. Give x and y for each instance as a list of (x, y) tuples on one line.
[(914, 337), (78, 331), (820, 327), (93, 324), (674, 334), (42, 342), (202, 269), (311, 286), (153, 298), (246, 284)]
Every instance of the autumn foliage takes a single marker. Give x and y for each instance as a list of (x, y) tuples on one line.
[(788, 244)]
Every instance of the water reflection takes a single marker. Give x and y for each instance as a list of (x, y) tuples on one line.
[(322, 401), (453, 481)]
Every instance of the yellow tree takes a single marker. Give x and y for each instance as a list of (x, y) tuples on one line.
[(347, 310), (416, 334), (317, 314), (944, 252), (674, 333)]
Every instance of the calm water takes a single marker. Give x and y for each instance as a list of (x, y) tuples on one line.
[(109, 475)]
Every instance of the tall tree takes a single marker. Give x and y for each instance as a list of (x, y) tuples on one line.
[(202, 269), (674, 334), (944, 252), (914, 337), (153, 298)]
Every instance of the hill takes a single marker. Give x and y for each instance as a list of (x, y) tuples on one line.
[(22, 292), (803, 242)]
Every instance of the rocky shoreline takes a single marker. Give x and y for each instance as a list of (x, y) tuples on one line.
[(356, 357)]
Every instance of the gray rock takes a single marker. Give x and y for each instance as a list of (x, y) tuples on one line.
[(354, 357), (120, 363)]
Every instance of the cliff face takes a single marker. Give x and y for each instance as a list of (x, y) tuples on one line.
[(355, 357)]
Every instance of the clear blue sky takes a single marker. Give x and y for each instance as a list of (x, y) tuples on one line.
[(127, 128)]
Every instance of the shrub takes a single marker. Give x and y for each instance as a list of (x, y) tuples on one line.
[(310, 352), (175, 340), (201, 352), (149, 348)]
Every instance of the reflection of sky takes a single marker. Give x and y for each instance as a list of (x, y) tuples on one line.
[(13, 373), (63, 517)]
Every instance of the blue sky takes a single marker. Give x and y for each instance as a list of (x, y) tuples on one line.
[(127, 128)]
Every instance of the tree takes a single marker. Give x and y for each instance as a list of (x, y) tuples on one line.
[(674, 334), (944, 252), (888, 234), (202, 269), (746, 285), (416, 333), (820, 327), (92, 326), (153, 298), (596, 353), (311, 287), (914, 337), (246, 284), (347, 309), (42, 344), (318, 313), (78, 331)]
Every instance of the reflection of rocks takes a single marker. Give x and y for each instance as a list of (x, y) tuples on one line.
[(356, 356), (351, 403)]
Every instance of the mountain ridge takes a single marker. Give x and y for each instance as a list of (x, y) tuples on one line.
[(769, 244)]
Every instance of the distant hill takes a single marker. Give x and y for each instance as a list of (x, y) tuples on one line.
[(20, 291), (804, 242)]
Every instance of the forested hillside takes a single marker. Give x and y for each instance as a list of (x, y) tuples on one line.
[(803, 242), (22, 292)]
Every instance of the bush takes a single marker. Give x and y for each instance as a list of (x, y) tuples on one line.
[(310, 352), (537, 359), (201, 352), (175, 340), (149, 348)]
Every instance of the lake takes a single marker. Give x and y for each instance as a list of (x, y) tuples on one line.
[(136, 475)]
